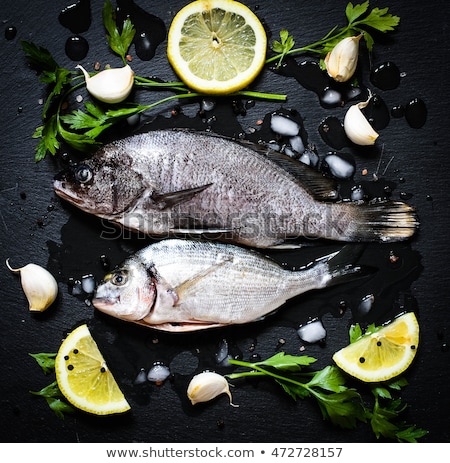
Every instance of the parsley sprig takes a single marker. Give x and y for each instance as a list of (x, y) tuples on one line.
[(342, 405), (82, 128), (338, 403), (51, 393), (360, 20)]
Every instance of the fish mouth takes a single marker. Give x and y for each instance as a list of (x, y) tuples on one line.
[(64, 193), (104, 304)]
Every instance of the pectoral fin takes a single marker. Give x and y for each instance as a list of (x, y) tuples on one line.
[(188, 287), (172, 198)]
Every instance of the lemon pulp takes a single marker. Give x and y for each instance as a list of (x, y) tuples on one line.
[(384, 354), (84, 378), (216, 46)]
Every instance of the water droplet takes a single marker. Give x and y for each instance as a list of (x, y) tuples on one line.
[(416, 113), (222, 354), (76, 17), (366, 304), (332, 132), (398, 111), (150, 30), (386, 76), (10, 33), (76, 48), (105, 262), (377, 113)]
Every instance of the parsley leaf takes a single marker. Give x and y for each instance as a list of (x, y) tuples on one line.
[(341, 405), (53, 396), (354, 12), (119, 42), (359, 20), (283, 47), (381, 20), (38, 57), (45, 361), (384, 419)]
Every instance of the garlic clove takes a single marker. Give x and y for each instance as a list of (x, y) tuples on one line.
[(341, 62), (207, 386), (111, 85), (38, 284), (357, 127)]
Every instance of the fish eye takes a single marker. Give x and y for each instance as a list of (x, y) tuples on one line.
[(83, 174), (119, 278)]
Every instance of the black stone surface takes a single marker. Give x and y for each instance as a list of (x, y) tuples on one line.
[(35, 226)]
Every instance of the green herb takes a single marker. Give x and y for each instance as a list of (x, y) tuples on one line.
[(342, 405), (119, 42), (82, 128), (51, 393), (360, 20), (54, 397), (284, 46), (384, 419), (45, 361), (338, 403)]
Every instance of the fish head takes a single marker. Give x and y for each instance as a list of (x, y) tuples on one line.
[(128, 292), (103, 185)]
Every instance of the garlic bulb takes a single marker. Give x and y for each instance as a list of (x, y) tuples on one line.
[(357, 127), (341, 62), (207, 386), (38, 284), (110, 85)]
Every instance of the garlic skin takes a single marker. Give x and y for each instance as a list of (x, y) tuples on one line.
[(357, 127), (38, 284), (207, 386), (341, 62), (111, 85)]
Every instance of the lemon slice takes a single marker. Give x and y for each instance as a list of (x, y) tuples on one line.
[(384, 354), (84, 378), (216, 46)]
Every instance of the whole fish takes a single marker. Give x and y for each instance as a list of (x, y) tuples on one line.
[(186, 285), (168, 182)]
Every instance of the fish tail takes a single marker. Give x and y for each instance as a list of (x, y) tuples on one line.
[(342, 266), (385, 222)]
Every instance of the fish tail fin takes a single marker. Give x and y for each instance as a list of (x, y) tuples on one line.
[(342, 266), (387, 221)]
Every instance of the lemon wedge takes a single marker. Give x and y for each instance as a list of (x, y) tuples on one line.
[(384, 354), (84, 378), (216, 46)]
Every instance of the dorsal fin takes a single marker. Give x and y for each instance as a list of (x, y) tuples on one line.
[(322, 188)]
